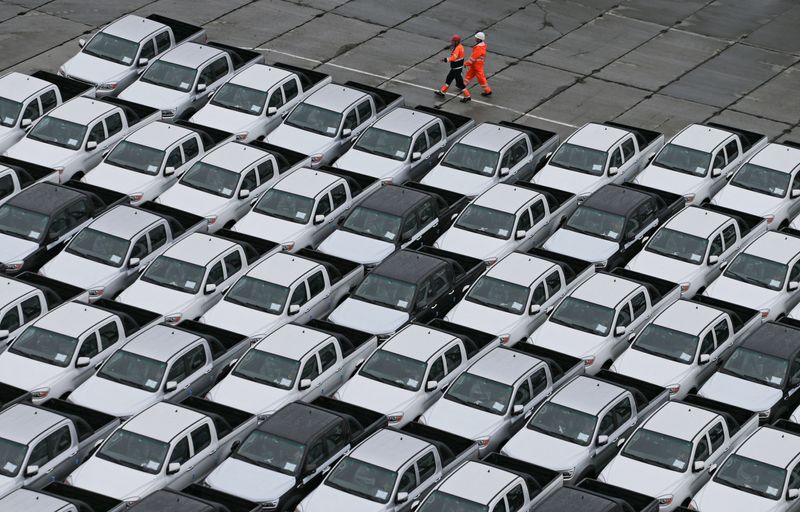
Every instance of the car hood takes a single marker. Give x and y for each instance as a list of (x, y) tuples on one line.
[(668, 180), (670, 269), (81, 272), (13, 248), (375, 395), (467, 183), (543, 450), (321, 499), (367, 317), (644, 478), (371, 165), (26, 373), (249, 481), (566, 340), (716, 497), (482, 318), (747, 201), (93, 69), (153, 95), (739, 292), (357, 248), (270, 228), (470, 243), (248, 396), (578, 245), (649, 368), (155, 298), (564, 179), (116, 178), (742, 393), (113, 480), (8, 485), (47, 155), (192, 200), (305, 142), (462, 420), (247, 320), (112, 397), (224, 118)]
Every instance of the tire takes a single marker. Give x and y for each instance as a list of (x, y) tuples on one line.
[(607, 365), (700, 291), (292, 504), (189, 113), (784, 224), (78, 175), (65, 396)]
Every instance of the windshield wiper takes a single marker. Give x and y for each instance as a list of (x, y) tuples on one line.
[(14, 234), (88, 256), (249, 305), (385, 380)]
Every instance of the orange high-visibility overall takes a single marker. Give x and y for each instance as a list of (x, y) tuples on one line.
[(456, 60), (475, 66)]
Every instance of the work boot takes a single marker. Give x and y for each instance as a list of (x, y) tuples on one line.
[(486, 93), (439, 93), (466, 99)]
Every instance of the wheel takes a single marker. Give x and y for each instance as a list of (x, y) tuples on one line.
[(78, 175), (700, 291), (693, 391), (189, 113), (784, 224), (686, 502), (705, 202), (607, 365), (64, 396), (292, 504)]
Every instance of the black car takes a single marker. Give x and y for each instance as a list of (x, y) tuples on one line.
[(595, 496)]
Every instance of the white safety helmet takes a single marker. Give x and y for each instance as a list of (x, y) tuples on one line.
[(480, 36)]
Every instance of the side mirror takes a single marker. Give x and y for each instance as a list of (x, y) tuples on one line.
[(346, 133), (712, 468), (25, 123), (620, 330), (271, 111), (305, 384), (465, 288), (170, 386), (519, 235), (402, 497), (169, 171), (415, 504), (173, 467), (704, 359), (549, 310), (729, 175), (716, 172), (294, 309), (96, 447), (792, 286), (698, 466), (431, 385), (210, 288), (620, 442), (517, 409), (32, 470), (235, 446), (645, 239), (723, 265), (415, 156), (200, 87), (91, 145), (548, 155), (244, 194), (602, 440), (83, 362), (310, 468), (631, 337), (535, 308), (134, 262), (81, 42), (505, 171), (795, 193), (440, 155), (143, 62), (319, 219), (612, 171), (792, 494), (5, 333), (713, 259)]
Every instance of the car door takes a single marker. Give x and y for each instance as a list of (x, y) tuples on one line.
[(350, 122), (181, 454), (219, 73), (331, 364), (441, 292), (538, 232), (408, 483), (299, 298), (11, 322), (730, 241), (32, 110), (364, 111), (310, 371), (267, 177), (522, 231), (191, 372), (140, 250), (708, 347), (248, 183), (540, 297), (109, 336), (454, 363), (616, 423), (793, 203), (436, 141), (615, 161), (616, 343), (791, 298), (515, 158), (114, 132), (191, 152), (47, 453), (277, 101), (701, 452), (201, 463), (421, 157), (428, 220), (527, 397), (88, 347), (319, 303)]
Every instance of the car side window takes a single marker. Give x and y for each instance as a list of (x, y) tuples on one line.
[(537, 211), (148, 50), (162, 41), (624, 316), (439, 282), (338, 195), (501, 506), (10, 321), (249, 181), (722, 332), (639, 305), (310, 369), (219, 68), (77, 213), (716, 246), (98, 133), (335, 439), (516, 499), (175, 159), (731, 150), (216, 275), (88, 347), (628, 149), (719, 160), (524, 223), (421, 144), (794, 275), (316, 284), (276, 99), (114, 124), (233, 262), (437, 370), (49, 101), (59, 225), (201, 438), (266, 171), (180, 453), (364, 112), (729, 235), (702, 451), (32, 111), (31, 309), (426, 466), (453, 358), (538, 382), (553, 282), (196, 359), (607, 425), (408, 482), (178, 371), (523, 394), (39, 455), (109, 334), (410, 228), (717, 436), (316, 454), (426, 213), (324, 205), (50, 447), (622, 412), (290, 90), (190, 148), (351, 121), (794, 478), (158, 237), (139, 249), (515, 154), (707, 347), (6, 186), (434, 134), (616, 159), (796, 182), (300, 296), (327, 356), (539, 296)]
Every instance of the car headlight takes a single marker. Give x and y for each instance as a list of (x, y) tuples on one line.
[(685, 287), (264, 416), (130, 500), (288, 246), (211, 220), (298, 508), (14, 266), (96, 293), (315, 159), (588, 361), (764, 415), (673, 388), (40, 393), (583, 197), (62, 71), (693, 505), (764, 313), (769, 218), (665, 500), (395, 417), (136, 197), (168, 113), (68, 480), (569, 473), (173, 318), (108, 86), (490, 261), (689, 198), (269, 505), (422, 420), (504, 338), (243, 136), (600, 265), (483, 442)]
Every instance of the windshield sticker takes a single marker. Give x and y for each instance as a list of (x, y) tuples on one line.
[(516, 305), (115, 259), (34, 234), (127, 60), (289, 466), (275, 306), (184, 85), (597, 167), (488, 169), (699, 169), (286, 382), (72, 142), (685, 356), (389, 235), (400, 154), (502, 232), (778, 190), (773, 491), (226, 190), (497, 406), (152, 465), (601, 328), (300, 215), (583, 437), (255, 108), (151, 383), (613, 234), (152, 168), (61, 357), (695, 257), (10, 467), (678, 464), (330, 129), (402, 303), (775, 380), (189, 284), (412, 382), (774, 283), (8, 120), (381, 495)]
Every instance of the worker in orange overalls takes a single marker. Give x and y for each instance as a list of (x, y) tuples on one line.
[(475, 64), (456, 60)]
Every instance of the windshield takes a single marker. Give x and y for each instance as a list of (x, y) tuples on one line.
[(495, 293), (45, 346), (11, 457), (175, 274), (680, 246), (134, 451), (762, 180), (315, 119), (58, 132), (384, 143), (395, 370), (268, 369), (133, 370), (757, 271), (583, 316), (136, 157), (564, 423), (757, 367), (212, 179), (486, 221), (752, 476), (373, 224), (481, 393), (580, 159), (471, 159), (682, 159), (170, 75), (667, 343), (386, 291), (594, 222), (286, 206), (659, 450), (100, 247), (107, 47), (21, 223), (362, 479), (440, 501), (240, 98), (257, 294), (272, 452), (9, 112)]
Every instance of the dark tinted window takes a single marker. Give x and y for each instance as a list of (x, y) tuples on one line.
[(290, 89), (316, 283), (628, 149), (216, 275), (719, 160), (77, 213), (707, 347), (421, 144), (310, 370), (324, 206), (351, 121), (335, 439), (201, 438), (716, 246), (427, 213), (426, 466), (339, 195), (717, 436), (31, 111), (98, 133), (266, 171), (523, 394), (162, 41), (437, 370), (624, 318), (538, 381), (299, 297), (10, 321), (732, 150), (148, 50), (174, 159), (729, 234), (49, 101), (553, 282), (539, 295), (233, 262), (196, 358), (327, 356), (181, 452), (364, 111), (435, 134), (114, 124), (453, 358), (516, 499), (31, 309), (722, 331), (190, 148), (6, 186), (703, 451), (616, 159), (524, 223), (139, 249), (158, 237), (408, 482), (537, 211), (109, 334), (219, 68), (249, 181), (639, 304), (276, 100), (89, 347), (316, 454), (178, 371), (515, 154)]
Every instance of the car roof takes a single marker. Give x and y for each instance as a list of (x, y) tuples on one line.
[(408, 266), (775, 246), (11, 290), (81, 110), (597, 136), (520, 268), (701, 137), (418, 342), (605, 289), (191, 54), (697, 221), (687, 316), (491, 479), (19, 87), (404, 121), (163, 421), (489, 136), (199, 248), (292, 341), (45, 198), (299, 422), (159, 135), (772, 446), (616, 199), (775, 339), (234, 156), (505, 197), (394, 199), (587, 394), (282, 268), (335, 97), (132, 27), (778, 157), (124, 221), (681, 420), (21, 423), (72, 318), (160, 342), (306, 182), (503, 365), (260, 77), (31, 501), (389, 448)]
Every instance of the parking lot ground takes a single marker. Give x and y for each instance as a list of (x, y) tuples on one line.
[(659, 64)]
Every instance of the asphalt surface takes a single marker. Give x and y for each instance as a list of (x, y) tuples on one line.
[(555, 64)]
